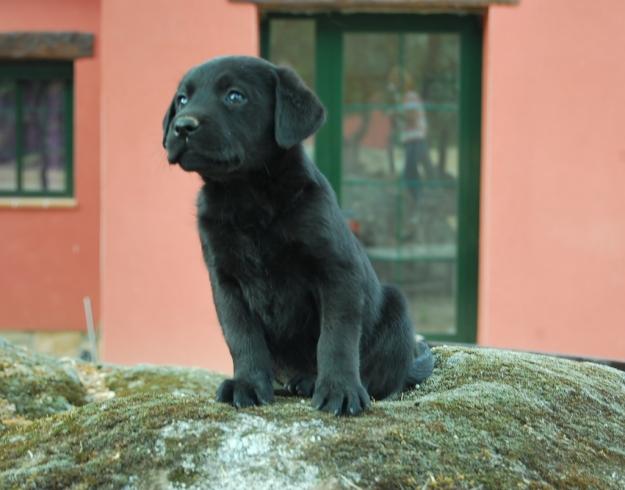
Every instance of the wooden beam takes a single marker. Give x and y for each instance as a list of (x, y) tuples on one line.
[(375, 5), (45, 45)]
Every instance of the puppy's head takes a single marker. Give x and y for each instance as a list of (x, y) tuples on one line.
[(234, 114)]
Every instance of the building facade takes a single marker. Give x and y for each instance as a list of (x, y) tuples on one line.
[(476, 148)]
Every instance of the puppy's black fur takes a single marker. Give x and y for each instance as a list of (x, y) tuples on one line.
[(295, 293)]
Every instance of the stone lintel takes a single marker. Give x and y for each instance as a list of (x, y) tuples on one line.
[(45, 45)]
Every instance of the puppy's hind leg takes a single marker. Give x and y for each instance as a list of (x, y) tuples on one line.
[(301, 385), (422, 365), (391, 359)]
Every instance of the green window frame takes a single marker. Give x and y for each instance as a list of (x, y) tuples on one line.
[(14, 72), (329, 30)]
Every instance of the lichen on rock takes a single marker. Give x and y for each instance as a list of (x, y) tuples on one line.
[(37, 385), (485, 419)]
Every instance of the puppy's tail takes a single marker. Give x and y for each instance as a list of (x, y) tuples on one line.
[(422, 365)]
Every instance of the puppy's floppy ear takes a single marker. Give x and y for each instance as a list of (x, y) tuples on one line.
[(169, 115), (298, 112)]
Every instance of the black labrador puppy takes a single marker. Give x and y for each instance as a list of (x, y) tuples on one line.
[(296, 295)]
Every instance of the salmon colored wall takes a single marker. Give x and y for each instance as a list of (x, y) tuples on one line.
[(553, 213), (49, 258), (156, 295)]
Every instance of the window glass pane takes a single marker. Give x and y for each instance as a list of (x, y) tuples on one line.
[(292, 43), (400, 164), (43, 163), (8, 172)]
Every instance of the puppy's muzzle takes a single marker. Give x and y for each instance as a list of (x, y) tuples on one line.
[(185, 125)]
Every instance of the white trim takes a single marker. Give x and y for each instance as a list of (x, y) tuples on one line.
[(38, 202)]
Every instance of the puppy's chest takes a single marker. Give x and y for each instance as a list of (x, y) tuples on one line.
[(248, 255), (256, 252), (269, 271)]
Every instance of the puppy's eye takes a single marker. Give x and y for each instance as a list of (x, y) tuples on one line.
[(182, 99), (235, 97)]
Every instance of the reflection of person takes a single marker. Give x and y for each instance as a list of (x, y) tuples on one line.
[(412, 126)]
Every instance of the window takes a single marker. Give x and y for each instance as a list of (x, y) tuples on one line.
[(401, 146), (36, 129)]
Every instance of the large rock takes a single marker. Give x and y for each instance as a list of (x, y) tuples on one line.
[(486, 419)]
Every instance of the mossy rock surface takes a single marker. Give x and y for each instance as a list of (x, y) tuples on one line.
[(485, 419)]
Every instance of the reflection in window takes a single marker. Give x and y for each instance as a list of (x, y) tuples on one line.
[(34, 125), (292, 44), (8, 164), (43, 164), (400, 163)]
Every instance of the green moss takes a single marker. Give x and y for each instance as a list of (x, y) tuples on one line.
[(160, 380), (36, 386), (485, 419), (496, 420), (110, 443)]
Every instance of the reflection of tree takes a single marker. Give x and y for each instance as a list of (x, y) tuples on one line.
[(7, 124), (352, 144), (43, 127), (439, 85), (367, 62), (34, 120), (292, 43)]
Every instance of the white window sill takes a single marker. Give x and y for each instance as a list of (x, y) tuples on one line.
[(37, 202)]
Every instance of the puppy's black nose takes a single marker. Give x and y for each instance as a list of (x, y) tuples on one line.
[(185, 125)]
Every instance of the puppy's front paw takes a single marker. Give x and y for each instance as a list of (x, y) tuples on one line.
[(340, 397), (244, 392)]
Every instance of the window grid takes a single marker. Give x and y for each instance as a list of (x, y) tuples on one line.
[(16, 73), (330, 30)]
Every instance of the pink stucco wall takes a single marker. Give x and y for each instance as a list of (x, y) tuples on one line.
[(49, 258), (552, 257), (552, 274), (156, 296), (552, 244)]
